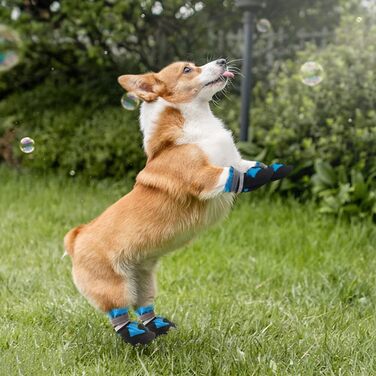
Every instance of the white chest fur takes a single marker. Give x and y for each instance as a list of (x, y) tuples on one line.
[(201, 128)]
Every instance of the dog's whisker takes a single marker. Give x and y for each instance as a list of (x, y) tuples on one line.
[(234, 69), (233, 60)]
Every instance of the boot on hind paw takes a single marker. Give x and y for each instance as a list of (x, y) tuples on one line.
[(156, 324), (131, 332), (160, 325), (135, 333)]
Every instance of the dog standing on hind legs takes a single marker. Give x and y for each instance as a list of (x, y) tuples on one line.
[(192, 174)]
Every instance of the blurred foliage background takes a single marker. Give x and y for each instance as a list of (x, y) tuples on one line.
[(64, 93)]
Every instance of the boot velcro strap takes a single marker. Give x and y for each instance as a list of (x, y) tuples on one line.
[(120, 321), (147, 317), (235, 186)]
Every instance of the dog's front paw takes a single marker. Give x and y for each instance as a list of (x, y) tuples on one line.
[(256, 177), (280, 171), (253, 178), (260, 164)]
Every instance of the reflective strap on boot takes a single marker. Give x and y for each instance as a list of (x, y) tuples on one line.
[(241, 183), (147, 317), (120, 321)]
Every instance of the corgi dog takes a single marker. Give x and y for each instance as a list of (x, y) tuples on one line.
[(192, 175)]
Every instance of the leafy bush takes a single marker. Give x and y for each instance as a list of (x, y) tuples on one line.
[(334, 121), (342, 194), (95, 141)]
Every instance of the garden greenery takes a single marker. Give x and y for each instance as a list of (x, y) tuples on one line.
[(334, 122), (74, 115)]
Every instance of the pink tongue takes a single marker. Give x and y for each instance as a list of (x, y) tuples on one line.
[(228, 74)]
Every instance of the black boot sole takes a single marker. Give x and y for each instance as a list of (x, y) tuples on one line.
[(160, 331), (140, 339)]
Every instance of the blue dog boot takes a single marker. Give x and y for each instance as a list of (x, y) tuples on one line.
[(131, 332), (136, 334), (156, 324), (160, 325), (254, 178), (280, 171)]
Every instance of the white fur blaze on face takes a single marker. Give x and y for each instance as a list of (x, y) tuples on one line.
[(211, 79)]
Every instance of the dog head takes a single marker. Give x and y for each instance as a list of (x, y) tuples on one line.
[(180, 82)]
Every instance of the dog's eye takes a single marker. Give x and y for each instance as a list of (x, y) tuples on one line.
[(187, 69)]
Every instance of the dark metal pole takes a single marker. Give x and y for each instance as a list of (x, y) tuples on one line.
[(245, 115)]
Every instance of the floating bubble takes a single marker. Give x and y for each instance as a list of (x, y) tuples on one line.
[(9, 48), (359, 19), (263, 25), (157, 8), (129, 101), (311, 73), (199, 6), (15, 14), (55, 6), (27, 145), (72, 172), (184, 12)]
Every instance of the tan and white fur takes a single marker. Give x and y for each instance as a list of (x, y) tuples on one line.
[(178, 194)]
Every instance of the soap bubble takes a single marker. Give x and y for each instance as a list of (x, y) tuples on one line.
[(9, 48), (129, 101), (199, 6), (263, 25), (27, 145), (55, 6), (311, 73), (72, 172), (157, 8), (15, 14)]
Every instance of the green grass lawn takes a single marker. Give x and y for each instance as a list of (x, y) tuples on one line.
[(275, 289)]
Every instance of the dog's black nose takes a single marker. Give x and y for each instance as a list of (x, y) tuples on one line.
[(221, 62)]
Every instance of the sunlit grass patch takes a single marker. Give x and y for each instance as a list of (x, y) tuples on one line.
[(273, 289)]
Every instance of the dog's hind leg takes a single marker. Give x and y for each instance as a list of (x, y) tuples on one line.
[(109, 292), (142, 287)]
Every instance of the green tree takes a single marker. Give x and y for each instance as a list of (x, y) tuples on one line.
[(94, 41)]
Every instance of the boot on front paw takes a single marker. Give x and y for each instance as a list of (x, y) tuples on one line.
[(280, 170)]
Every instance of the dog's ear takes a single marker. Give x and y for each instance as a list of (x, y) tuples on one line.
[(145, 86)]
